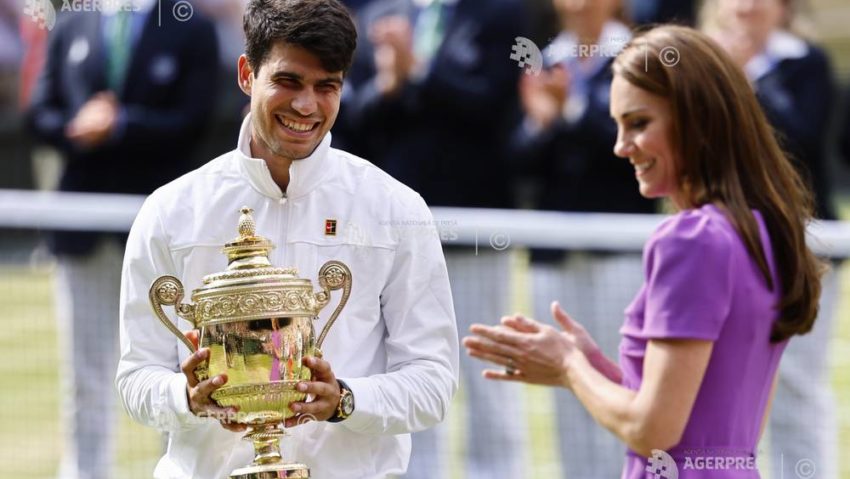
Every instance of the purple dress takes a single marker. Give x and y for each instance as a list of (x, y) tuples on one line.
[(701, 283)]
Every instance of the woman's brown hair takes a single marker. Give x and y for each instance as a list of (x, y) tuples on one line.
[(730, 157)]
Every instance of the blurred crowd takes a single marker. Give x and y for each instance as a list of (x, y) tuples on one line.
[(131, 98)]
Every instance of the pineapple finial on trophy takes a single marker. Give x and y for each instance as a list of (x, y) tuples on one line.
[(247, 227), (249, 250)]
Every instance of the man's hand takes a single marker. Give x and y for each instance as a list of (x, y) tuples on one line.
[(198, 392), (95, 121), (325, 389)]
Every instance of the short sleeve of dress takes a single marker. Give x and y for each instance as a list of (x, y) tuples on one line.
[(690, 276)]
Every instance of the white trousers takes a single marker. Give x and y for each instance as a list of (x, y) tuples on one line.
[(87, 290), (495, 422), (802, 426), (594, 290)]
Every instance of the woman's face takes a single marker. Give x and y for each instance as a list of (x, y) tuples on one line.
[(644, 137), (755, 18)]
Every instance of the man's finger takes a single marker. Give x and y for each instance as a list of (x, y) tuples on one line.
[(193, 361), (207, 387), (193, 336), (317, 388), (321, 369)]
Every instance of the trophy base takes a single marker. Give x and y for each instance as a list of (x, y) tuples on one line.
[(272, 471)]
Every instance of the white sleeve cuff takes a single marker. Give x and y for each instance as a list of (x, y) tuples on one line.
[(178, 400), (367, 410)]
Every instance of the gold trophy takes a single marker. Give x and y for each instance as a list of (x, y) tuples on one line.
[(257, 321)]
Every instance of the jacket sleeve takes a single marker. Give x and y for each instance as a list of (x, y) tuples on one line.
[(421, 342), (148, 380), (48, 112)]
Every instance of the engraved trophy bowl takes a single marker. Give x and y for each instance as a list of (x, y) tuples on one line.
[(257, 321)]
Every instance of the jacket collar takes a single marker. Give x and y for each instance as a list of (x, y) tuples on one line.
[(781, 45), (304, 174)]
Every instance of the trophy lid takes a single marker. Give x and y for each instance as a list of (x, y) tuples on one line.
[(248, 259)]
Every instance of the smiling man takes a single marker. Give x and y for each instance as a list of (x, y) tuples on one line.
[(390, 362)]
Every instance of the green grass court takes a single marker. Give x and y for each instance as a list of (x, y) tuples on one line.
[(30, 441)]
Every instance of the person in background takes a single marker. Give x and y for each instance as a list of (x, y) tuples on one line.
[(432, 97), (793, 81), (123, 96), (729, 279), (564, 143)]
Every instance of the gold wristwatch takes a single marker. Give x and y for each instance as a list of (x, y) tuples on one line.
[(346, 403)]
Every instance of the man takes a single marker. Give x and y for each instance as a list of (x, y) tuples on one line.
[(394, 348), (433, 95), (124, 96)]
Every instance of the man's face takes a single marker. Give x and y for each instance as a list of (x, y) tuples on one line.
[(294, 102)]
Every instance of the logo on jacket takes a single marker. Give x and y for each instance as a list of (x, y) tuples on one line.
[(330, 227), (41, 12)]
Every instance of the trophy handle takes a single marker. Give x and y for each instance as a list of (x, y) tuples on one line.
[(333, 275), (168, 291)]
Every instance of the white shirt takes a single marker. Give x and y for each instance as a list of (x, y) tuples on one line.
[(395, 343)]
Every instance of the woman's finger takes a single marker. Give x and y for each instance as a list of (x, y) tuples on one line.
[(563, 318), (521, 323), (497, 375), (492, 358), (487, 346), (499, 334)]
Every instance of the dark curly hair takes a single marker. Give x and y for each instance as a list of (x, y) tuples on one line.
[(322, 27)]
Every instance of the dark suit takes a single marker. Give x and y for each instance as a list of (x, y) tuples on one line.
[(798, 96), (167, 97), (443, 136)]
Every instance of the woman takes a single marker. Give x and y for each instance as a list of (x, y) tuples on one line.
[(565, 142), (794, 84), (728, 280)]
